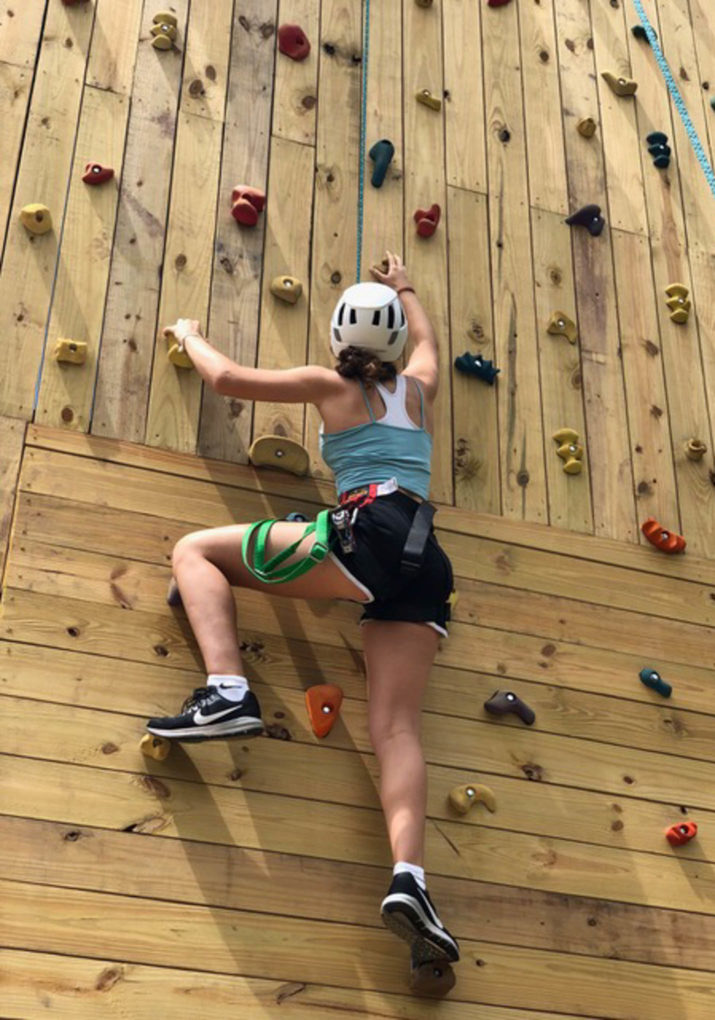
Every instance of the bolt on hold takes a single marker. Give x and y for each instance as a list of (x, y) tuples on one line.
[(659, 149), (506, 702)]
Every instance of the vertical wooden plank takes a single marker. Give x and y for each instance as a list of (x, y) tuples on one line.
[(679, 345), (113, 50), (295, 86), (225, 425), (425, 184), (606, 419), (65, 394), (523, 479), (12, 434), (383, 220), (476, 431), (208, 49), (560, 371), (15, 85), (20, 25), (130, 320), (334, 251), (463, 93), (30, 261), (621, 145), (648, 413), (283, 337), (542, 108), (175, 393)]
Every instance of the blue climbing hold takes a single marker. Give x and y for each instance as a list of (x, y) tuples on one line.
[(476, 364), (652, 678), (381, 154)]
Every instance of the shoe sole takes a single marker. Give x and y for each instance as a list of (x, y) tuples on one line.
[(406, 920), (247, 727)]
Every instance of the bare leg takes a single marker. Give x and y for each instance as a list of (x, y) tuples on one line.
[(399, 657)]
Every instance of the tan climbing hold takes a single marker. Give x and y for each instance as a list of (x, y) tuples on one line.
[(155, 747), (72, 352), (425, 97), (570, 450), (462, 798), (620, 85), (561, 325), (586, 127), (164, 29), (680, 315), (674, 303), (677, 290), (165, 17), (36, 218), (287, 288), (279, 452), (176, 353), (695, 449)]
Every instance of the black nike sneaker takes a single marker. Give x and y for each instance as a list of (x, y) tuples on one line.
[(408, 911), (207, 715)]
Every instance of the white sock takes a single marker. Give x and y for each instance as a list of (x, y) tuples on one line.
[(415, 870), (231, 686)]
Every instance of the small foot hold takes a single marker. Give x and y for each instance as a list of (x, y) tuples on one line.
[(287, 288), (497, 3), (427, 220), (695, 449), (175, 352), (678, 302), (381, 154), (36, 218), (462, 798), (586, 127), (164, 34), (297, 517), (433, 979), (588, 216), (661, 538), (155, 747), (73, 3), (95, 173), (561, 325), (425, 97), (279, 452), (570, 450), (476, 364), (655, 682), (423, 3), (173, 595), (246, 204), (323, 703), (640, 33), (165, 18), (620, 85), (71, 352), (508, 703), (681, 833), (293, 42)]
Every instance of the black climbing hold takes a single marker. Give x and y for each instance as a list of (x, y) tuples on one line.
[(381, 154), (475, 364), (506, 702), (296, 516), (661, 162), (659, 149), (656, 138), (640, 33), (652, 678), (590, 217)]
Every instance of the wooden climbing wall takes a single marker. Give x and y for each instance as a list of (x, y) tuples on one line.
[(219, 876), (504, 160), (244, 878)]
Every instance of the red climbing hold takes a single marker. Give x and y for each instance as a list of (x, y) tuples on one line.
[(681, 833), (661, 538), (497, 3), (427, 221), (293, 41), (73, 3), (246, 204), (95, 173)]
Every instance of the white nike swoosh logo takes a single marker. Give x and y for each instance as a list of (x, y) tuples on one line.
[(200, 718)]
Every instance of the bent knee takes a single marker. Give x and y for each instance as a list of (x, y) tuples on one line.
[(188, 547)]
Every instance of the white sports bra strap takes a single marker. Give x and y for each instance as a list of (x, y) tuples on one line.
[(396, 405)]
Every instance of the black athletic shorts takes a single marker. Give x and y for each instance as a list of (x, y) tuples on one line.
[(380, 531)]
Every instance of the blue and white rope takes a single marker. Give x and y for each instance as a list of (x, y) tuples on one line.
[(363, 118), (676, 96)]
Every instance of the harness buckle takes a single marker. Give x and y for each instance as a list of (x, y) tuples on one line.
[(341, 521)]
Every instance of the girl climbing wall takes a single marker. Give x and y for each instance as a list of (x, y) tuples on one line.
[(381, 551)]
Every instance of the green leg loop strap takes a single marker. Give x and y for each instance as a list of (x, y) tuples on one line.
[(271, 572)]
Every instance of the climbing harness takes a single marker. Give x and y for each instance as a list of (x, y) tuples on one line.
[(363, 117), (272, 572), (676, 96)]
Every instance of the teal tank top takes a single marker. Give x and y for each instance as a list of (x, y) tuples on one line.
[(381, 449)]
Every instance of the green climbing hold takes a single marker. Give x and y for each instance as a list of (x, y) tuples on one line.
[(381, 154)]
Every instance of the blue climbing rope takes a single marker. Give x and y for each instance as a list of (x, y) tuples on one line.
[(676, 96), (363, 118)]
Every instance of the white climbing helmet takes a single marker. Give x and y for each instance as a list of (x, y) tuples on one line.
[(369, 315)]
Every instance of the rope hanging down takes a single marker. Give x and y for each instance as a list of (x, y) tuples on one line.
[(676, 96), (363, 117)]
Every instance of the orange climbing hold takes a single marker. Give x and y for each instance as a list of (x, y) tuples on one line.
[(246, 204), (323, 703), (661, 538)]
